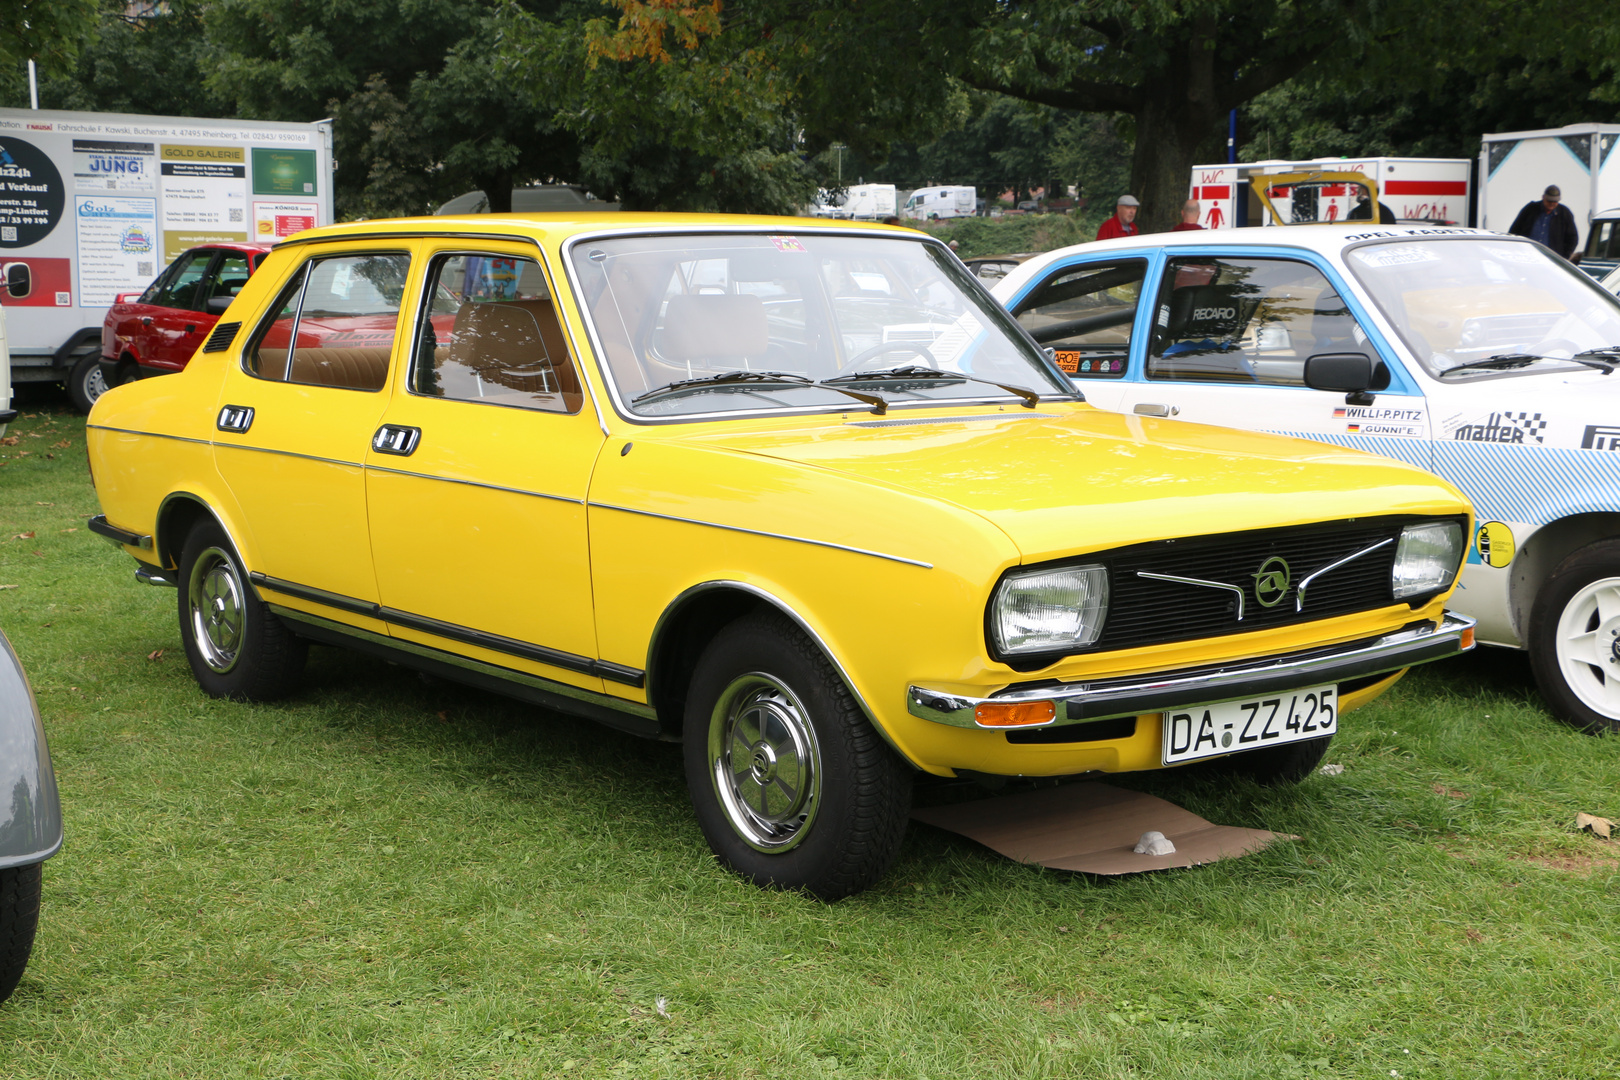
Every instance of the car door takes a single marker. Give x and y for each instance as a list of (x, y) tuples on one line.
[(172, 324), (296, 420), (477, 480), (1086, 313), (1226, 343)]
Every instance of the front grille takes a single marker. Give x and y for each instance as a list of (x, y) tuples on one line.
[(1144, 611)]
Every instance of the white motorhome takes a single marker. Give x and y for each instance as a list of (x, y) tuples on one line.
[(1435, 190), (93, 205), (941, 202), (1515, 167), (871, 202)]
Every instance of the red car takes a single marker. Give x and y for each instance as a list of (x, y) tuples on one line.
[(155, 332)]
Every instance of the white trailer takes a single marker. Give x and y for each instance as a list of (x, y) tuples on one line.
[(95, 204), (1515, 167), (871, 202), (1415, 189), (941, 202)]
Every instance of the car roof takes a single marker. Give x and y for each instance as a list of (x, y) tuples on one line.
[(564, 225)]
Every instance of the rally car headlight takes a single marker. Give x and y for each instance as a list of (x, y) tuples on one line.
[(1427, 558), (1049, 610)]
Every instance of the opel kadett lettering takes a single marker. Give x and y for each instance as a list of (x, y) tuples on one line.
[(800, 495)]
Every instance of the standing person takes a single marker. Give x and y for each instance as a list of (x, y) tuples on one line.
[(1549, 223), (1363, 211), (1123, 223), (1190, 213)]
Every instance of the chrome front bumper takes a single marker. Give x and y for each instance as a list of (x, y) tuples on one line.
[(1078, 703)]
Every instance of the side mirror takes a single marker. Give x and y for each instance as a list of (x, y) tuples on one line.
[(19, 280), (216, 305), (1351, 374)]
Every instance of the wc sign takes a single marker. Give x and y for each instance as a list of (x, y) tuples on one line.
[(1215, 188)]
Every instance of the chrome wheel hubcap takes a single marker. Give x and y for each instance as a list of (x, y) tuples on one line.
[(1588, 644), (217, 602), (765, 762)]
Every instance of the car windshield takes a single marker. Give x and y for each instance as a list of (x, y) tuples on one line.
[(894, 318), (1461, 301)]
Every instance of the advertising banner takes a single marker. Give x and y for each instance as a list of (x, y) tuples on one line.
[(284, 172), (204, 196), (51, 279), (107, 165), (31, 194), (117, 245), (272, 221)]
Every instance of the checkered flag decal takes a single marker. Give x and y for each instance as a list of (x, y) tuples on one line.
[(1532, 423)]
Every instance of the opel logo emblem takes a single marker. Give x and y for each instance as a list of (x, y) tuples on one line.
[(1271, 583)]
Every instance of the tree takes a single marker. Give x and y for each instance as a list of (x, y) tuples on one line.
[(48, 32), (154, 61)]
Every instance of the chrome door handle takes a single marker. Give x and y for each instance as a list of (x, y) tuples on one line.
[(394, 439), (1143, 408), (237, 418)]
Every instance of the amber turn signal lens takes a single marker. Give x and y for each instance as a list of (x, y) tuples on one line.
[(1467, 640), (1024, 714)]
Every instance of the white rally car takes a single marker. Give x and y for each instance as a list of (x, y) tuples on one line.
[(1481, 357)]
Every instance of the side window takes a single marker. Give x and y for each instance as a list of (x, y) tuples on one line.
[(1247, 321), (230, 274), (181, 287), (334, 323), (1084, 314), (489, 333)]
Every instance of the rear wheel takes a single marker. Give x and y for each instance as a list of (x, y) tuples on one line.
[(19, 917), (85, 383), (237, 647), (792, 786), (1574, 638)]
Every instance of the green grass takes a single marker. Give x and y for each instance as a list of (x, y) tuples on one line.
[(388, 878), (977, 236)]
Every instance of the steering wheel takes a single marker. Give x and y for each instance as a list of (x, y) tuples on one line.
[(861, 358)]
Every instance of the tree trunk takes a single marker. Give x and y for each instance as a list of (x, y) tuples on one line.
[(1176, 115)]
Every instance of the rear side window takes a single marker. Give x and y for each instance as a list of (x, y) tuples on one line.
[(489, 333), (334, 323), (1084, 315)]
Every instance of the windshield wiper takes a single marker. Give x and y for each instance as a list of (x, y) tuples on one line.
[(1506, 361), (777, 378), (918, 371)]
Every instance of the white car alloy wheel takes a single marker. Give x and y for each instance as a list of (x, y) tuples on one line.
[(1588, 646)]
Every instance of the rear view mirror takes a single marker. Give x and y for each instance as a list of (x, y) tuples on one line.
[(19, 280), (216, 305), (1351, 374)]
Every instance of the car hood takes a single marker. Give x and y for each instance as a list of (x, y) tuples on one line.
[(1072, 478)]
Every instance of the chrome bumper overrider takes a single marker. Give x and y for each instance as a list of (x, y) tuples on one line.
[(1077, 703)]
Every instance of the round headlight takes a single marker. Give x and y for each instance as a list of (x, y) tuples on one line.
[(1049, 610), (1427, 558)]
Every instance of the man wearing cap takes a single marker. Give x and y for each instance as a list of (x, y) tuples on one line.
[(1123, 223), (1548, 223)]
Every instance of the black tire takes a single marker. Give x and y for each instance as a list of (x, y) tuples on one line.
[(1574, 642), (85, 383), (19, 917), (238, 649), (1277, 765), (823, 801)]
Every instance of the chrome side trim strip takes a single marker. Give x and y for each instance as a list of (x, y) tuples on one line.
[(1199, 582), (122, 537), (1080, 702), (150, 434), (474, 483), (761, 532), (602, 708), (466, 635), (288, 453), (1299, 592)]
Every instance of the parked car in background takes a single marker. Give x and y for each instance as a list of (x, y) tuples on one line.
[(1482, 357), (992, 268), (797, 493), (1600, 256), (155, 332), (30, 817)]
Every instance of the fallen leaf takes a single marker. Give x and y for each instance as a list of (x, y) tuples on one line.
[(1597, 826), (10, 440), (1473, 935), (34, 435), (44, 504), (24, 536), (70, 530), (7, 586), (63, 445), (155, 654), (1332, 770), (1441, 789)]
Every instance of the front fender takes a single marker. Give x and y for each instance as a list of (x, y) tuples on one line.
[(30, 810)]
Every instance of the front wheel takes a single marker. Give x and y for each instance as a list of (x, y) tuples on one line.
[(237, 647), (793, 787), (19, 916), (1574, 638), (1275, 766), (85, 382)]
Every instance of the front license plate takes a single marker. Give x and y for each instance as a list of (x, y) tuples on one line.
[(1233, 726)]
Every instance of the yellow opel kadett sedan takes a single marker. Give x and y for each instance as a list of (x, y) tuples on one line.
[(799, 494)]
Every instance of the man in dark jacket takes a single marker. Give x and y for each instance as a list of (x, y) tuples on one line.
[(1548, 223)]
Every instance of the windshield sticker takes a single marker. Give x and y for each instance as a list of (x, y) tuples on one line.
[(1369, 412), (1522, 254), (1068, 360), (1101, 366), (1387, 255), (1601, 437), (787, 243), (1503, 427), (1495, 543)]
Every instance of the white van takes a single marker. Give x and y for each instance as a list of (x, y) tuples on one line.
[(941, 202)]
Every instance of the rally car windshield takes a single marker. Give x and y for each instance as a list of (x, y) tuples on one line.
[(1480, 307), (698, 325)]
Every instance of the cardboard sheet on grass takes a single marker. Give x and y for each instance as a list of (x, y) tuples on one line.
[(1093, 828)]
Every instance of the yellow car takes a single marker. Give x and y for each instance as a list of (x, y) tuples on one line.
[(799, 494)]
